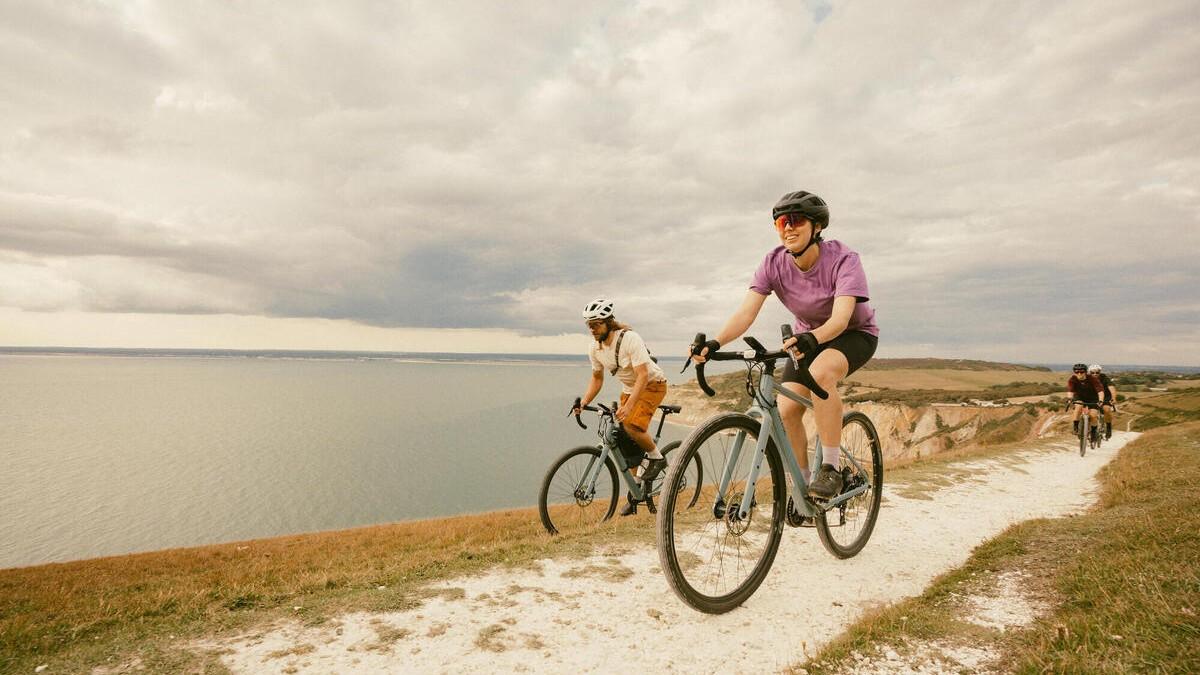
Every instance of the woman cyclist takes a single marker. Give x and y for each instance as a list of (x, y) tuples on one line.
[(622, 353), (823, 284)]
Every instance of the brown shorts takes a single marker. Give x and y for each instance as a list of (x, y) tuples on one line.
[(647, 403)]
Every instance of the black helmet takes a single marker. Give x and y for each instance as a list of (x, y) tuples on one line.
[(1079, 366), (806, 204)]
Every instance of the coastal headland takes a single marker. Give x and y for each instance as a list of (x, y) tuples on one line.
[(491, 592)]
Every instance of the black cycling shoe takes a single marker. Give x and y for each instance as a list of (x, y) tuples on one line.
[(630, 506), (826, 483), (653, 468), (794, 518)]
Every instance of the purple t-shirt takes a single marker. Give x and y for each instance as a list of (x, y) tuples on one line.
[(809, 295)]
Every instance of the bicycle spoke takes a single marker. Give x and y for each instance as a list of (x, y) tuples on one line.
[(844, 530), (567, 502)]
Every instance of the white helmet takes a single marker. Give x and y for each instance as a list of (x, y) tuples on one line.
[(1094, 368), (600, 308)]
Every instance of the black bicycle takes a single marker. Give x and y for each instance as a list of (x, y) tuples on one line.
[(1089, 434)]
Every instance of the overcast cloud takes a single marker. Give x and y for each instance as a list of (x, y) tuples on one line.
[(1022, 179)]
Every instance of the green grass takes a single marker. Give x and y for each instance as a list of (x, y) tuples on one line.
[(1124, 578), (920, 397), (1150, 412)]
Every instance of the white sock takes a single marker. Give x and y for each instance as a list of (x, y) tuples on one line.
[(655, 454), (833, 456), (807, 473)]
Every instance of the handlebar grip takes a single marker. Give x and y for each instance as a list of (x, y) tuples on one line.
[(806, 377), (702, 382), (578, 404), (697, 345)]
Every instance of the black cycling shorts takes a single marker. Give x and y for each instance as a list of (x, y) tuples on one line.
[(858, 348)]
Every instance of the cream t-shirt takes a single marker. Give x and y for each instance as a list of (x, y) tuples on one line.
[(633, 353)]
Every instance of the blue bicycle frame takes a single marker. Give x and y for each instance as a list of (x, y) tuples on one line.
[(608, 447), (772, 427)]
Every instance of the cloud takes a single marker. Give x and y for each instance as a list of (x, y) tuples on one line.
[(466, 166)]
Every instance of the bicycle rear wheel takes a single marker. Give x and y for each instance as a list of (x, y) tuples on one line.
[(845, 528), (692, 475), (566, 503), (712, 557)]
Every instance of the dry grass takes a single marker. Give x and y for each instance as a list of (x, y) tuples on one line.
[(1123, 579), (952, 379), (1149, 412), (78, 615)]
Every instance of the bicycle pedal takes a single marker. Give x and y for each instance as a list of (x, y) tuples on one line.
[(650, 504)]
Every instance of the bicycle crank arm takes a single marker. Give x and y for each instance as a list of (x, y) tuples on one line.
[(846, 496)]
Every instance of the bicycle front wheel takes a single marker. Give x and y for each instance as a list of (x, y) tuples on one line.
[(845, 528), (713, 557), (569, 501), (1083, 434)]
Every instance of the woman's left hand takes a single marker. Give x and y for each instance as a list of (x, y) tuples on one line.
[(801, 344)]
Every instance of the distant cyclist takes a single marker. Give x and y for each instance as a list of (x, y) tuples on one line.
[(1110, 396), (643, 384), (823, 284), (1085, 389)]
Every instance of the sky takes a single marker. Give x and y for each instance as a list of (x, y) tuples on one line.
[(1020, 179)]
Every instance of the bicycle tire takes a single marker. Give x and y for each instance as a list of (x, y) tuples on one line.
[(694, 475), (860, 439), (1083, 434), (683, 533), (561, 509)]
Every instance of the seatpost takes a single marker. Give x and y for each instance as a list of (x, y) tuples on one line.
[(661, 421)]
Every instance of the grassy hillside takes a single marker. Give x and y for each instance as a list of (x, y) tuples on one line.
[(919, 397), (78, 615), (1150, 412), (953, 380), (947, 364)]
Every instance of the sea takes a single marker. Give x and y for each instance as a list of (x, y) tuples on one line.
[(107, 452)]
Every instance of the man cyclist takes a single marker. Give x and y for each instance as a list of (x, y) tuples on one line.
[(1083, 388), (643, 384), (1110, 397), (823, 284)]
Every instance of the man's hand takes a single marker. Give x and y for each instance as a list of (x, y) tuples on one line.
[(623, 411), (576, 407)]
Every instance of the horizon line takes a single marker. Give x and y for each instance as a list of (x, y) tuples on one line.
[(52, 349)]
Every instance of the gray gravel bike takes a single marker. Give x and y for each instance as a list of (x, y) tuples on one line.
[(717, 538), (581, 490)]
